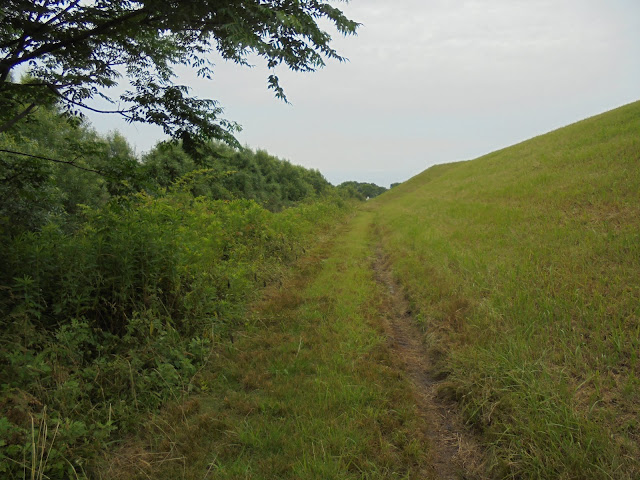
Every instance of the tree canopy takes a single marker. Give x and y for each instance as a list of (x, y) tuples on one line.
[(75, 50), (363, 189)]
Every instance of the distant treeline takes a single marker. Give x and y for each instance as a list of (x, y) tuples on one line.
[(362, 190), (258, 176), (49, 167)]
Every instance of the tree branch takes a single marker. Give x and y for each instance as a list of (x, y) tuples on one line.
[(7, 125), (63, 162), (82, 105), (42, 26), (61, 13), (14, 61)]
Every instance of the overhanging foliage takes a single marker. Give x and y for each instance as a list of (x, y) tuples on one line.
[(75, 50)]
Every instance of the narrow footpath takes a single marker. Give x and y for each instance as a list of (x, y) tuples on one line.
[(454, 452), (327, 380)]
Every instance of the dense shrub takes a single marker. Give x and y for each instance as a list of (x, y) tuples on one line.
[(108, 322)]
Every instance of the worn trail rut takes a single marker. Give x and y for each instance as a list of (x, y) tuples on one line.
[(454, 452)]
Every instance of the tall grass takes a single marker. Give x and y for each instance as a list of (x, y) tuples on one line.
[(106, 324), (525, 267)]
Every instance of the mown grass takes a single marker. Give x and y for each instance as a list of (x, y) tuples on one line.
[(307, 391), (525, 267)]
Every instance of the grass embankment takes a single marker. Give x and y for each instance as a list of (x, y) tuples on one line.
[(308, 390), (525, 267)]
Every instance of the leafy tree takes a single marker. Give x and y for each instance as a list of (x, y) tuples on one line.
[(40, 185), (165, 164), (75, 49), (366, 190), (241, 173)]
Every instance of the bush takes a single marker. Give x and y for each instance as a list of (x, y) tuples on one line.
[(111, 321)]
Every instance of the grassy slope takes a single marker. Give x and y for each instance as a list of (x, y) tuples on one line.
[(308, 390), (525, 266)]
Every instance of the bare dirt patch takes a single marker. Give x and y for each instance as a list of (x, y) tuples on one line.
[(454, 452)]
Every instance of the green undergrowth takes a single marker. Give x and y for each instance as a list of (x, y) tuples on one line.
[(112, 321), (307, 390), (525, 267)]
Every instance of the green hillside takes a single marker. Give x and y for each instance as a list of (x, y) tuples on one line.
[(524, 266)]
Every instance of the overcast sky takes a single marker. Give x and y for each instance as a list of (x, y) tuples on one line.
[(432, 81)]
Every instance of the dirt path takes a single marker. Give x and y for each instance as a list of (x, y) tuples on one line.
[(454, 453), (310, 389)]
